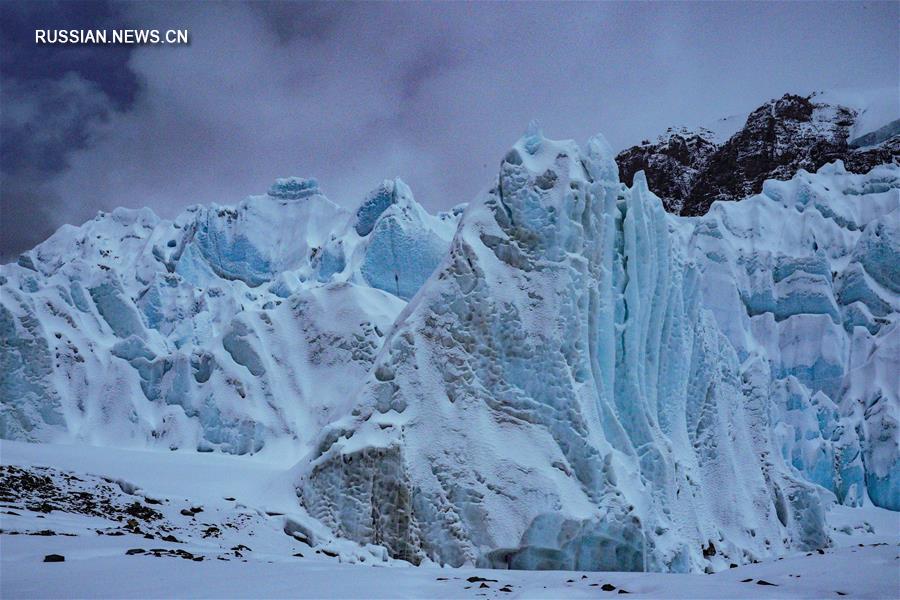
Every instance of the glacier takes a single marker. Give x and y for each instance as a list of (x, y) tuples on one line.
[(558, 375), (220, 330), (556, 396)]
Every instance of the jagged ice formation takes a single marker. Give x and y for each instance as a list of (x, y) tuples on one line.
[(555, 396), (560, 375)]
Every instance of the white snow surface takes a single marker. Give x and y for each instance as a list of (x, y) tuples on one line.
[(97, 566), (722, 129), (558, 376)]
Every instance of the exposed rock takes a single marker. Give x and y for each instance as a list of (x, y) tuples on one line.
[(689, 170)]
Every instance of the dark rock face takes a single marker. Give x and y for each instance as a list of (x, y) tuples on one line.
[(671, 165), (860, 160), (689, 171)]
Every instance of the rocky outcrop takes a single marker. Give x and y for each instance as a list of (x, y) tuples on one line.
[(689, 170)]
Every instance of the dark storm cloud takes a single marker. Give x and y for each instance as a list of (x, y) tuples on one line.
[(52, 97), (41, 124), (22, 60), (289, 20), (432, 92)]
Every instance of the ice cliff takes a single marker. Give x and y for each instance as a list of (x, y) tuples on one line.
[(557, 397), (228, 329), (803, 279), (560, 375)]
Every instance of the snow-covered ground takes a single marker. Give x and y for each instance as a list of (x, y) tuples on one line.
[(240, 533)]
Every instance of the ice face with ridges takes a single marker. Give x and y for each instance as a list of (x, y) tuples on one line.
[(211, 332), (555, 397), (404, 245), (803, 276), (265, 235)]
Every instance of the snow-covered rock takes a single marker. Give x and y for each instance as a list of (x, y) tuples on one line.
[(731, 158)]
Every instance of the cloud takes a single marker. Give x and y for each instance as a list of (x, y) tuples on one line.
[(42, 123), (432, 92), (212, 127)]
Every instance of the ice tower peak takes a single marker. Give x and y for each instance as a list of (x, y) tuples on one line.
[(600, 160), (293, 188), (533, 137), (551, 162), (640, 182), (391, 191), (623, 358)]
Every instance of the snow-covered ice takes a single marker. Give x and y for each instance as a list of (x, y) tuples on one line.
[(559, 375)]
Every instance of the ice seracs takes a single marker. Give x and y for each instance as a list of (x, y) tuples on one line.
[(390, 243), (225, 329), (556, 396), (804, 277), (262, 236), (560, 375)]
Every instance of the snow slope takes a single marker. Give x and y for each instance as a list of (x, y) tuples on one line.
[(875, 107)]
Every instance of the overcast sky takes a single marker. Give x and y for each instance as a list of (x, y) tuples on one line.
[(355, 93)]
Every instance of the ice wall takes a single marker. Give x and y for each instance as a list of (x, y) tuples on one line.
[(805, 277), (569, 379), (556, 397)]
